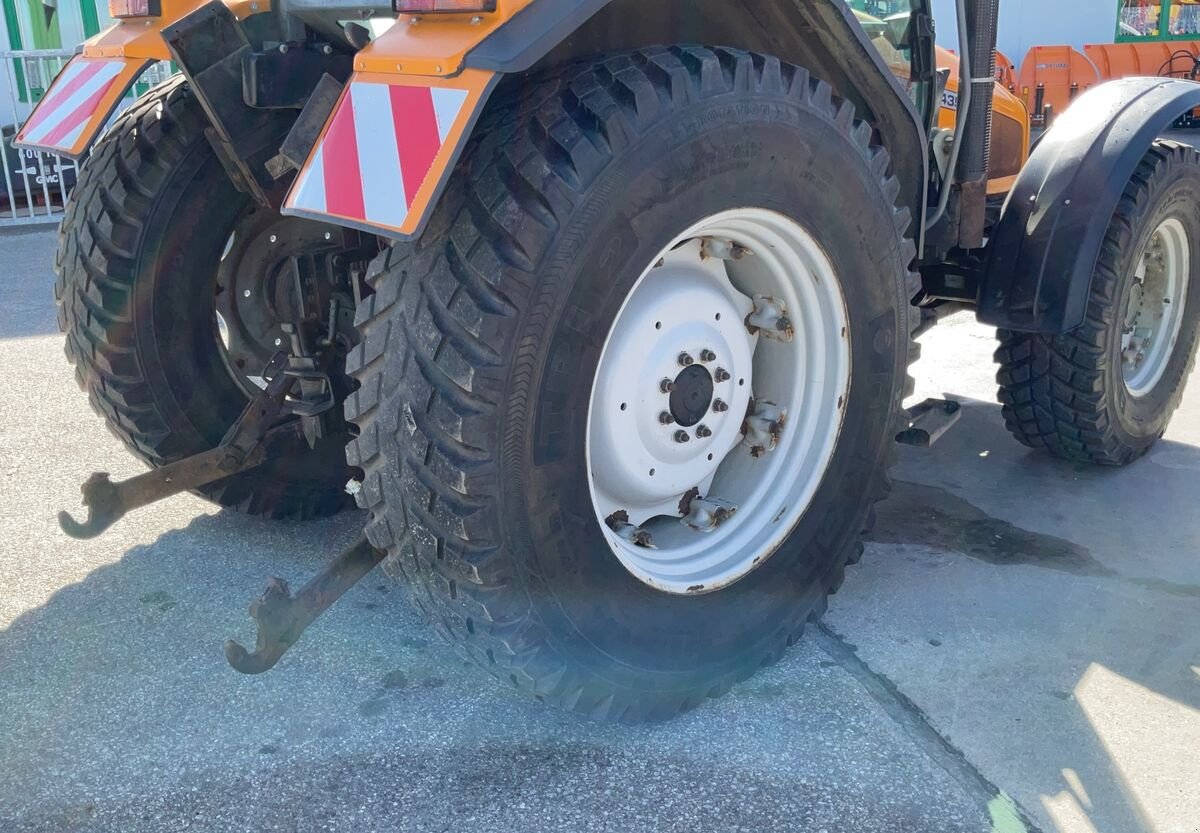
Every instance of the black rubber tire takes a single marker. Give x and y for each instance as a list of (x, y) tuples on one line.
[(138, 250), (1066, 394), (479, 346)]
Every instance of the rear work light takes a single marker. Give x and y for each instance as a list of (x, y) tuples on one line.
[(442, 6), (134, 8)]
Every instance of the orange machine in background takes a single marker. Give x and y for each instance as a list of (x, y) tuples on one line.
[(1052, 76)]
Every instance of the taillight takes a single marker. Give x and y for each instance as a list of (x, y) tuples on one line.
[(134, 8), (441, 6)]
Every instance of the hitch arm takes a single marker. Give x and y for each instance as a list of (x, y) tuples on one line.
[(245, 445), (282, 617)]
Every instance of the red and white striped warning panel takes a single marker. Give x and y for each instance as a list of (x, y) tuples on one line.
[(78, 103), (381, 158)]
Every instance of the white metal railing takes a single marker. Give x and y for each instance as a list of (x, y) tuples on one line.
[(35, 184)]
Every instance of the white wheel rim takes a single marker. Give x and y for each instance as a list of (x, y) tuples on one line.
[(700, 294), (1154, 308)]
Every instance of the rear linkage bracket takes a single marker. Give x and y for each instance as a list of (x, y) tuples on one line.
[(252, 98), (280, 616), (928, 422), (246, 445)]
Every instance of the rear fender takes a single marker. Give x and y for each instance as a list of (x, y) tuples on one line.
[(1042, 253), (389, 145), (90, 86), (77, 105), (364, 152)]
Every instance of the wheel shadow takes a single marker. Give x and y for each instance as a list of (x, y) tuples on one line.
[(1039, 611), (118, 712)]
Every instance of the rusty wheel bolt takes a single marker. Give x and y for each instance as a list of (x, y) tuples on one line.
[(722, 375), (682, 437), (666, 386), (703, 432), (719, 406), (707, 356), (686, 360), (666, 418)]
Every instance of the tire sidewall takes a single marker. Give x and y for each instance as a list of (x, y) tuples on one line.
[(746, 150)]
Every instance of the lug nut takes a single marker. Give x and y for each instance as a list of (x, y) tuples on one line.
[(722, 375), (703, 432), (682, 437), (719, 406), (686, 360), (666, 418), (707, 356), (666, 386)]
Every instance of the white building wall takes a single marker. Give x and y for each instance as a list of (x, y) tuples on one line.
[(1028, 23)]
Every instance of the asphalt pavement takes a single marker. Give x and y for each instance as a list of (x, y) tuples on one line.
[(1018, 651)]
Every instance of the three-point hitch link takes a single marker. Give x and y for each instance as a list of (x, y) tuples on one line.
[(281, 617), (245, 445)]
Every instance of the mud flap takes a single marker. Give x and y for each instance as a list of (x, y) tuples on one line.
[(78, 104), (385, 154)]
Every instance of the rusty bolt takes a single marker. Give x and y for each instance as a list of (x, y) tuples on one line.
[(722, 375), (682, 437), (686, 360), (707, 356), (703, 432), (719, 406), (666, 418), (666, 386)]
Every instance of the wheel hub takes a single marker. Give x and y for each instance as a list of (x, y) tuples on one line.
[(261, 295), (691, 395)]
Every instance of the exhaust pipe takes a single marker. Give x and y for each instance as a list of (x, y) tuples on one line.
[(973, 161)]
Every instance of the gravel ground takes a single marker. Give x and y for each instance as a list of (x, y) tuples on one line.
[(1019, 650)]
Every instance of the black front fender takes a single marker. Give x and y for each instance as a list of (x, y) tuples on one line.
[(1043, 251)]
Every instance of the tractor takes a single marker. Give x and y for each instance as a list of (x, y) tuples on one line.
[(601, 310)]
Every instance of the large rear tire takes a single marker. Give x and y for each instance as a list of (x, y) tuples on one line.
[(1105, 392), (481, 351), (146, 229)]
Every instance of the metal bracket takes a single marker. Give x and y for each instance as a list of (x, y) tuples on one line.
[(211, 46), (246, 445), (928, 422), (282, 617)]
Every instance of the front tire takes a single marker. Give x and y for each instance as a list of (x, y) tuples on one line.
[(1105, 392), (481, 346)]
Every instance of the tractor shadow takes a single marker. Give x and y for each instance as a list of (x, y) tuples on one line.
[(116, 703), (1046, 617)]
